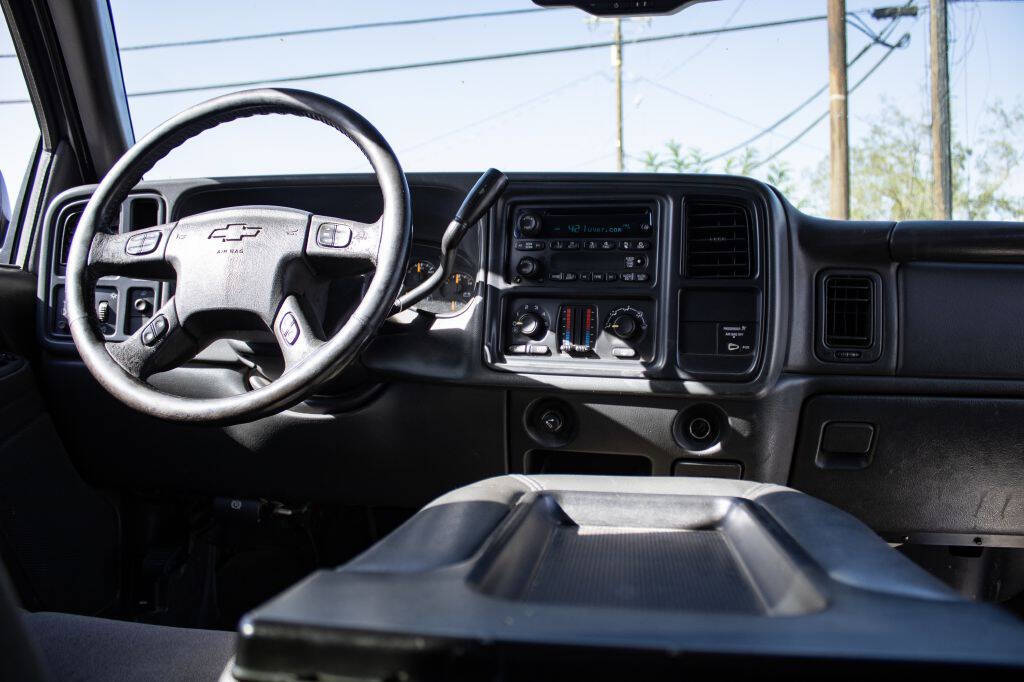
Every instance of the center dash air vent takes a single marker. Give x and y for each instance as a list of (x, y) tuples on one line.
[(718, 239), (849, 309)]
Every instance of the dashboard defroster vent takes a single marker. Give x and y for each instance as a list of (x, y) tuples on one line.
[(718, 239), (849, 310)]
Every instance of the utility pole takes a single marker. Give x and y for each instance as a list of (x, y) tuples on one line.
[(942, 170), (620, 150), (839, 146)]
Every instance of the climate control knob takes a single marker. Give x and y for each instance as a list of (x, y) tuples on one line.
[(626, 323), (528, 268), (531, 325)]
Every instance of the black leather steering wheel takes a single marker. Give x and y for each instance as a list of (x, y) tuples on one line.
[(239, 271)]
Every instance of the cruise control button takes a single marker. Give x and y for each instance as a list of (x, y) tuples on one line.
[(289, 328), (142, 244), (333, 235), (154, 331)]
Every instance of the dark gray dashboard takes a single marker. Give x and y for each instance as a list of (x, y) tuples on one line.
[(743, 314)]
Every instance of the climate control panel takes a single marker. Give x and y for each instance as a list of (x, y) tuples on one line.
[(613, 330)]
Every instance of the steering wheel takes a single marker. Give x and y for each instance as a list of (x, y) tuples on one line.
[(239, 271)]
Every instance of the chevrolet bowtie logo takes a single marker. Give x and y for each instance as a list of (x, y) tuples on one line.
[(234, 233)]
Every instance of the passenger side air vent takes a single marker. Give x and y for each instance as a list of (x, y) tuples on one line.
[(849, 307), (718, 239), (67, 232)]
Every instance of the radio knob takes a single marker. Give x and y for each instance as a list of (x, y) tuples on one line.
[(528, 224), (624, 325), (528, 267)]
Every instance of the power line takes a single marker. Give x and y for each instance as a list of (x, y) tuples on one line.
[(316, 30), (464, 60), (903, 42), (877, 39)]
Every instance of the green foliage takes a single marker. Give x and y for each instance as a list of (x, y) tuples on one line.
[(890, 169), (748, 162)]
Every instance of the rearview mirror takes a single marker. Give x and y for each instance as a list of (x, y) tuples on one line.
[(623, 8)]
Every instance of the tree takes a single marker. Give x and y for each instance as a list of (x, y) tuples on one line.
[(748, 162), (890, 169)]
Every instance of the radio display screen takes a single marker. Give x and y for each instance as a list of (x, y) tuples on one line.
[(567, 224)]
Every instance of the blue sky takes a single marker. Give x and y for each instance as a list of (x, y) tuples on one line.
[(536, 113)]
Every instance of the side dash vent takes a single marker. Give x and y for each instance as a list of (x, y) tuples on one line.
[(849, 304), (718, 239), (68, 224)]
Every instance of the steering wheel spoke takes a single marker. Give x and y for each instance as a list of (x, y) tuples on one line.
[(298, 334), (338, 246), (161, 344), (140, 253)]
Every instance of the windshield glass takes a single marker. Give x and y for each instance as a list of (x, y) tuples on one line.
[(737, 86)]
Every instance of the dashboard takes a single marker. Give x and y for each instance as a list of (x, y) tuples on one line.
[(644, 324)]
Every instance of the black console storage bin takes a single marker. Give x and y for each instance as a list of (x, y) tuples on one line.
[(575, 577)]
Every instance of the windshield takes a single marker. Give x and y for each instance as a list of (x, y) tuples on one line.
[(736, 86)]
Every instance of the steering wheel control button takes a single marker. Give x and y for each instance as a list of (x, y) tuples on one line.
[(154, 331), (333, 235), (289, 328), (142, 244)]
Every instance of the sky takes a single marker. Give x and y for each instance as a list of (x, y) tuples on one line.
[(541, 113)]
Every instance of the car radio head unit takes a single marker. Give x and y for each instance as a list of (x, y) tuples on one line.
[(606, 244)]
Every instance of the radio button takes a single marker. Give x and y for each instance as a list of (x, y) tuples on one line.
[(558, 245), (529, 246), (556, 276), (628, 277), (572, 245), (569, 277), (608, 245), (590, 245), (642, 277), (642, 245), (611, 277), (585, 277), (634, 262), (626, 245), (598, 276)]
